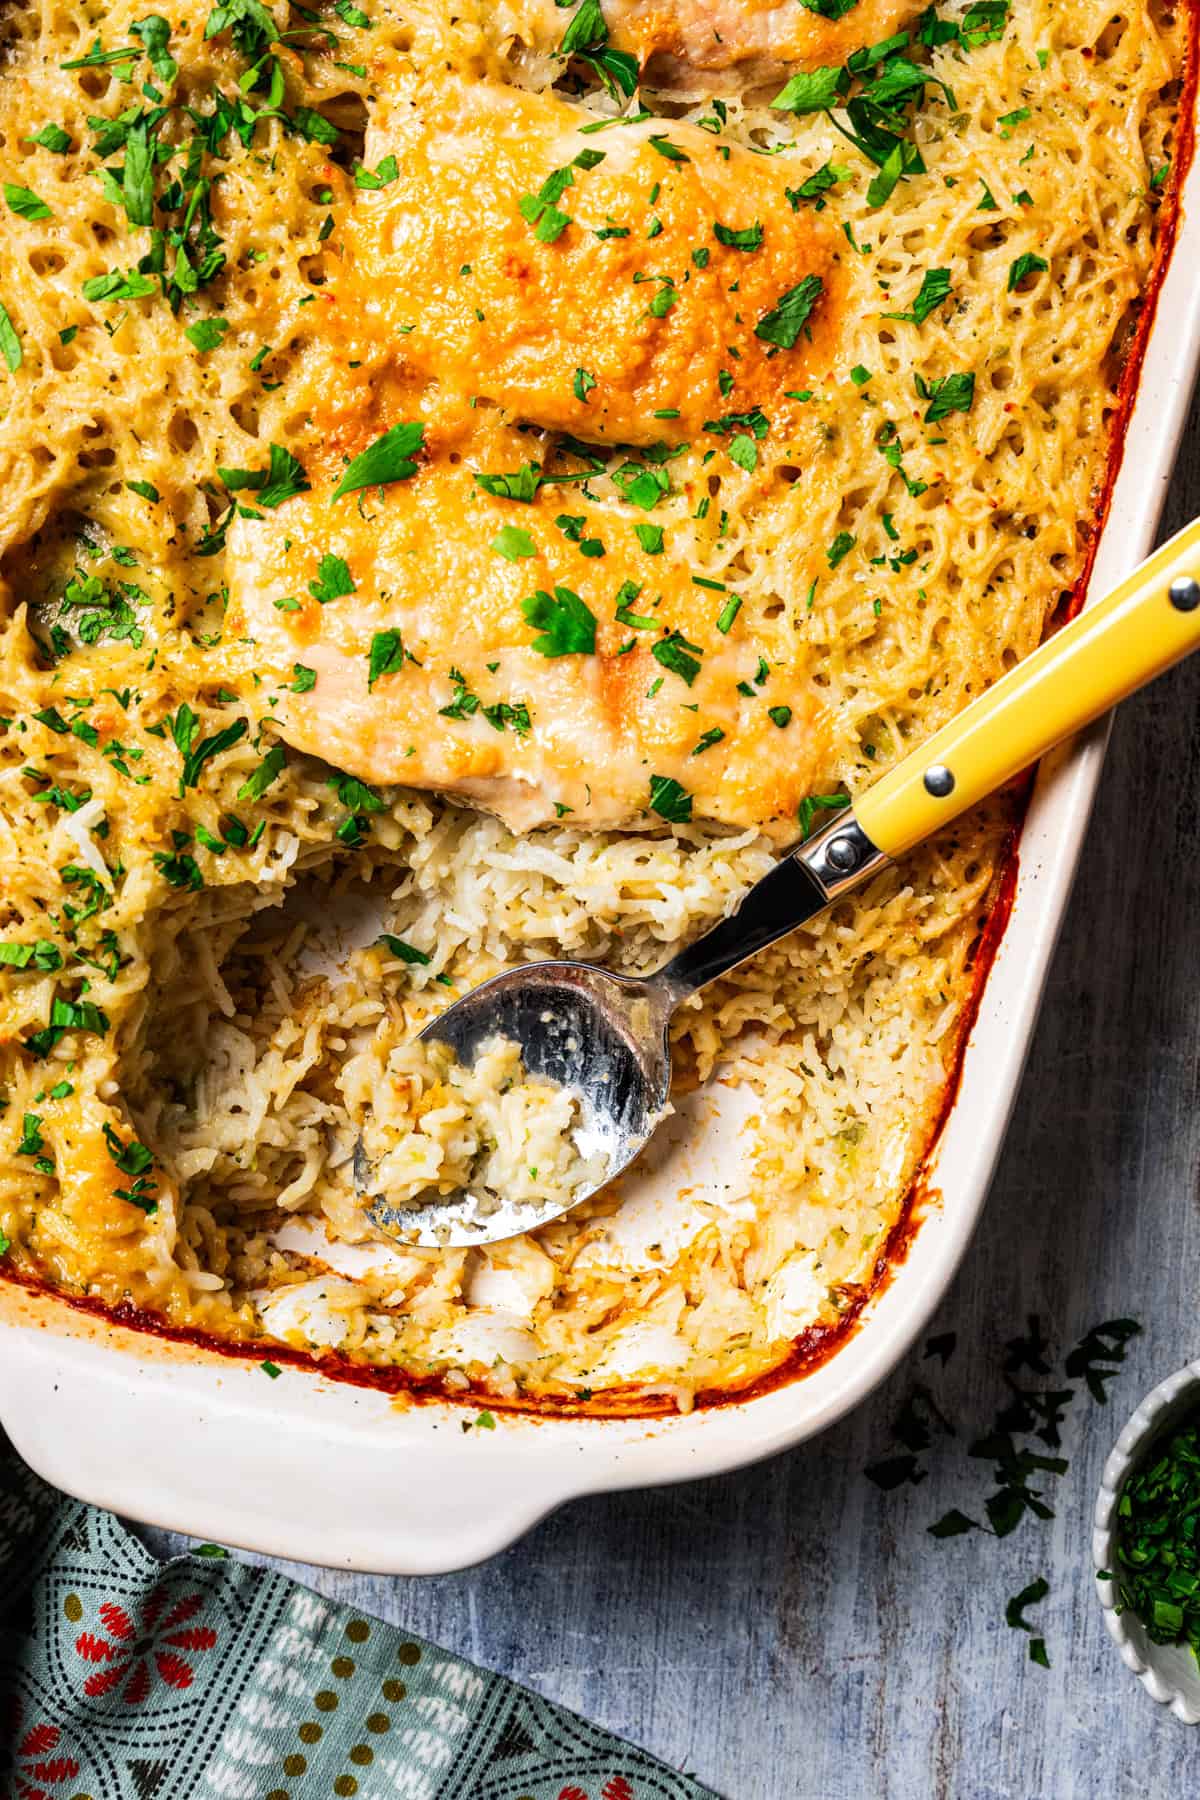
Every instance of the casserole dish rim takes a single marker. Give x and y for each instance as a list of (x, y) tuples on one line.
[(196, 1441)]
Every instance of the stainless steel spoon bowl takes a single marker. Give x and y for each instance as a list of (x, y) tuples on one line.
[(605, 1036)]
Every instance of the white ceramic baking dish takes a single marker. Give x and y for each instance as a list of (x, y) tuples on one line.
[(324, 1472)]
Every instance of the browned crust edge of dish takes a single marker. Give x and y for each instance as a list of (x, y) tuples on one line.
[(818, 1343)]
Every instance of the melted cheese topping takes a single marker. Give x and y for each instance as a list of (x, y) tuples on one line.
[(214, 301), (595, 726), (621, 328)]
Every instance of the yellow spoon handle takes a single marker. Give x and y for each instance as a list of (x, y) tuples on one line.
[(1147, 623)]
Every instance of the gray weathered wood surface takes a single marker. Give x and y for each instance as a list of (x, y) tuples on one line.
[(791, 1633)]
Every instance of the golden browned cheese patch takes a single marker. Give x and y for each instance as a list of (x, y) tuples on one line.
[(666, 281), (673, 686)]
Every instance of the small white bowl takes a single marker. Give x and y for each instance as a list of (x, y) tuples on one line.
[(1168, 1672)]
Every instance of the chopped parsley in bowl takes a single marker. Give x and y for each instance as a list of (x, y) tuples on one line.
[(1146, 1544)]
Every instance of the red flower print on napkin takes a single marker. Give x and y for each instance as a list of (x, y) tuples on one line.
[(36, 1769), (132, 1650)]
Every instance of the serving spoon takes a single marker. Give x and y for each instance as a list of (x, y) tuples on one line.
[(605, 1036)]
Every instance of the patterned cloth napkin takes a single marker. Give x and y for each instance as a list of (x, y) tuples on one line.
[(126, 1678)]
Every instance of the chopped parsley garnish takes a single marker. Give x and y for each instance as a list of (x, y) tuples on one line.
[(10, 343), (627, 593), (712, 736), (68, 1015), (402, 951), (179, 869), (947, 394), (118, 286), (52, 137), (386, 656), (667, 149), (1157, 1562), (42, 955), (650, 537), (984, 22), (31, 1143), (640, 485), (840, 548), (133, 1159), (268, 771), (674, 652), (749, 238), (567, 626), (522, 484), (814, 803), (388, 459), (586, 38), (540, 210), (155, 34), (784, 322), (281, 480), (1026, 264), (669, 800), (1006, 121), (934, 289), (818, 185), (387, 172), (184, 726), (356, 795), (25, 203), (206, 334), (514, 544), (333, 579), (809, 91), (744, 452)]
